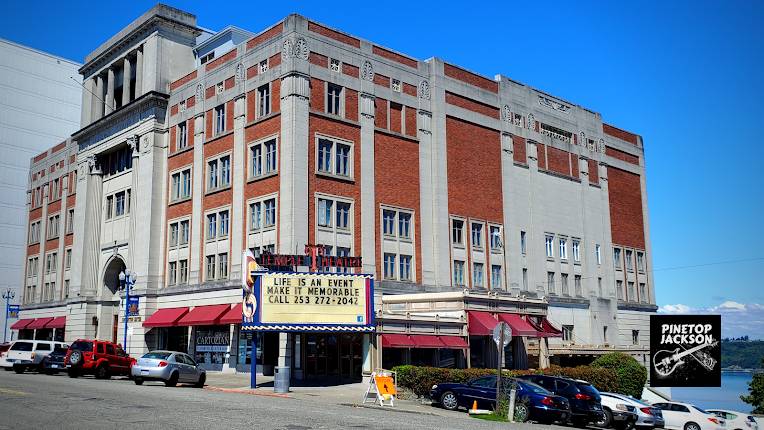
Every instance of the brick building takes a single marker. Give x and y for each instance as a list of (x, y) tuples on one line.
[(471, 200)]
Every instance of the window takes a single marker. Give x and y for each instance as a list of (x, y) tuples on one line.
[(223, 221), (632, 297), (495, 276), (255, 216), (335, 158), (404, 225), (577, 286), (53, 226), (207, 57), (604, 334), (174, 230), (70, 221), (66, 289), (389, 269), (325, 212), (334, 65), (34, 232), (477, 275), (549, 244), (395, 84), (256, 165), (116, 161), (217, 224), (617, 258), (457, 227), (184, 232), (212, 226), (343, 215), (598, 253), (635, 337), (219, 173), (522, 242), (567, 333), (333, 99), (183, 271), (263, 66), (629, 261), (219, 119), (182, 136), (550, 282), (263, 100), (388, 222), (565, 287), (270, 213), (458, 273), (50, 262), (119, 204), (619, 289), (642, 292), (576, 250), (210, 267), (405, 268), (563, 248), (477, 235), (600, 292), (172, 273), (223, 266), (495, 233), (181, 185), (641, 261), (343, 252)]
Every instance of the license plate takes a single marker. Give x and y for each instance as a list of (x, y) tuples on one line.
[(144, 371), (54, 366)]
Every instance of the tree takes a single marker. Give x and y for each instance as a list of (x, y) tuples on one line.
[(631, 375), (755, 395)]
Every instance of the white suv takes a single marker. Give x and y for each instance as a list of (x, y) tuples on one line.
[(28, 354), (684, 416)]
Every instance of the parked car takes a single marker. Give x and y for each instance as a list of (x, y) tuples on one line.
[(736, 420), (4, 347), (54, 362), (616, 413), (28, 354), (647, 416), (532, 401), (98, 357), (584, 399), (170, 367), (684, 416)]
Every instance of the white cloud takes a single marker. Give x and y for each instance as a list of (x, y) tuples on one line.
[(738, 319)]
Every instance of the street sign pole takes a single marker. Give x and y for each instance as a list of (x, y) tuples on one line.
[(502, 335)]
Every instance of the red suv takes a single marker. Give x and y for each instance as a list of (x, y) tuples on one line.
[(98, 357)]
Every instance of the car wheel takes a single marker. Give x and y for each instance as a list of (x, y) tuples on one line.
[(691, 426), (449, 401), (102, 372), (606, 420), (73, 373), (201, 381), (173, 381), (75, 358), (138, 381), (522, 413), (18, 369)]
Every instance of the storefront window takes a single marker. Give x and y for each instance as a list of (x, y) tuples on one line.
[(211, 344)]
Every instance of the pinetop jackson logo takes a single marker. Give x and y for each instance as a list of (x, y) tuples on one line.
[(685, 350)]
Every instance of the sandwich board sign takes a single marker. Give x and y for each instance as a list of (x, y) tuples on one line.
[(381, 388)]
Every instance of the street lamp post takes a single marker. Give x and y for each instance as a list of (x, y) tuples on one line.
[(8, 295), (126, 281)]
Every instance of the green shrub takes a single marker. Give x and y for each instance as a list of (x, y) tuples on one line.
[(630, 375)]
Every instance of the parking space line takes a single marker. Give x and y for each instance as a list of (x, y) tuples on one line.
[(12, 392)]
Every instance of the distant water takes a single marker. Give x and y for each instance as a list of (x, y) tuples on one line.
[(725, 397)]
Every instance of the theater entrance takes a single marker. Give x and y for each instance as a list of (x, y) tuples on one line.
[(332, 357)]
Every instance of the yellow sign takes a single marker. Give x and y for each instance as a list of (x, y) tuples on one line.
[(307, 298), (385, 385)]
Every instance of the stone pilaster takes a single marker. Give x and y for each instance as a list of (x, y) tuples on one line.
[(197, 218), (238, 170), (98, 99), (92, 232), (368, 196), (109, 105), (126, 72), (139, 73), (86, 114)]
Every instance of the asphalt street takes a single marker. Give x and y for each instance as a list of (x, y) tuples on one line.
[(39, 401)]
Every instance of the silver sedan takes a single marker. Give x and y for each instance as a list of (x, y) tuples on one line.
[(170, 367)]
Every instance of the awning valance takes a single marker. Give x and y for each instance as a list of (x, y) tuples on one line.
[(454, 342), (233, 316), (167, 317), (57, 322), (545, 328), (204, 315), (39, 323), (519, 326), (22, 324), (480, 323), (427, 341), (397, 341)]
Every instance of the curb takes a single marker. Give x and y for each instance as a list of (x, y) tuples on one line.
[(388, 408), (247, 391)]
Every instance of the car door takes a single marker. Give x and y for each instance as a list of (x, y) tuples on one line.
[(669, 417), (111, 355), (194, 371), (184, 371), (679, 415), (41, 349), (483, 390)]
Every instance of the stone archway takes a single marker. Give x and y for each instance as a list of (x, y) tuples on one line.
[(111, 275)]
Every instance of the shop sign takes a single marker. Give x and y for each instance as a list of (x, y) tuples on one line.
[(295, 301), (13, 311), (212, 340), (314, 258)]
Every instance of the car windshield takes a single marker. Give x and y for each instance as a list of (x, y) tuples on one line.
[(159, 355), (699, 410), (60, 349), (22, 346), (82, 345)]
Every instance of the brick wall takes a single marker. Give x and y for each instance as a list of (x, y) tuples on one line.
[(626, 217)]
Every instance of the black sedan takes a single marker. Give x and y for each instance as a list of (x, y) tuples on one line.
[(532, 402), (54, 362)]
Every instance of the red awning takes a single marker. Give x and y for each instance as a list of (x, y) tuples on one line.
[(57, 322), (454, 342), (545, 328), (22, 324), (427, 341), (397, 341), (39, 323), (167, 317), (204, 315), (233, 316), (519, 326), (480, 323)]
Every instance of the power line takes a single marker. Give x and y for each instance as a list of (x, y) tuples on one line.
[(713, 263)]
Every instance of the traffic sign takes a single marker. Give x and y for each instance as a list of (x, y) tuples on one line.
[(497, 332)]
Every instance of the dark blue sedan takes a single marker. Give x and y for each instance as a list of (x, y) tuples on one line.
[(533, 402)]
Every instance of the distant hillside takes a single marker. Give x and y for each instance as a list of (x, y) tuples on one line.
[(746, 354)]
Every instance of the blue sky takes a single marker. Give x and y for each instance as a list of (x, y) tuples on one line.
[(685, 75)]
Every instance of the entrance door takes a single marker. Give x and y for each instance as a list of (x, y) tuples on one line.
[(351, 360)]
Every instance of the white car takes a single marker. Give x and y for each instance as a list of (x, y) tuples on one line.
[(684, 416), (618, 414), (736, 420), (647, 416), (28, 354)]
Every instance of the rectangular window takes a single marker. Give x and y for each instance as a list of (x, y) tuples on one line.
[(325, 155), (255, 161), (565, 286), (185, 181), (325, 212), (219, 119), (495, 276), (458, 273), (549, 245), (212, 174), (495, 233), (388, 222), (641, 261), (405, 268), (53, 226), (525, 279), (119, 204), (477, 275), (335, 158), (184, 232), (175, 187), (183, 271), (477, 235), (223, 221), (635, 337), (182, 135), (270, 157), (109, 206), (343, 215), (522, 242), (563, 248), (567, 333), (632, 294), (619, 289), (255, 216), (617, 258), (172, 273), (219, 173), (598, 253), (68, 259), (212, 226), (174, 230), (223, 266), (457, 227), (210, 267), (600, 291), (53, 261), (404, 225), (342, 165), (225, 171), (70, 221), (629, 262), (270, 213), (643, 292), (579, 290), (389, 269), (576, 250), (333, 99), (550, 282), (263, 100)]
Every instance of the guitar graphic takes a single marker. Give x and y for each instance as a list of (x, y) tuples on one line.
[(665, 361)]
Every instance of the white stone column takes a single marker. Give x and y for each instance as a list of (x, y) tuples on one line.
[(293, 193), (92, 233), (132, 142), (98, 99), (537, 281), (238, 216), (86, 113), (511, 252), (59, 293), (368, 196), (426, 199), (197, 218), (109, 106), (126, 72), (139, 72), (43, 240)]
